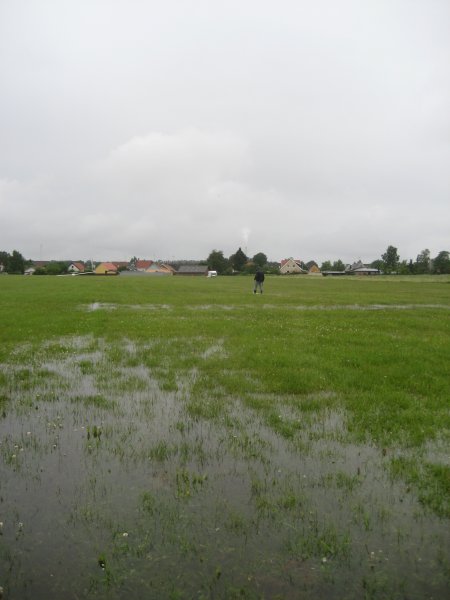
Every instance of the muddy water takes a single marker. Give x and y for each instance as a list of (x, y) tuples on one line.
[(113, 487)]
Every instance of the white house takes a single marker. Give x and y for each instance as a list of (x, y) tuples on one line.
[(291, 265)]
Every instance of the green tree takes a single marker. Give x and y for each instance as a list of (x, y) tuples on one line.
[(238, 260), (132, 263), (377, 264), (260, 260), (403, 268), (56, 268), (216, 261), (326, 266), (441, 264), (16, 263), (338, 265), (390, 259), (4, 260), (423, 262)]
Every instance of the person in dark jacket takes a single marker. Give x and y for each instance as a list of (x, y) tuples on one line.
[(259, 280)]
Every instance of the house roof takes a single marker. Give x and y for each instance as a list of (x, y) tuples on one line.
[(366, 270), (356, 265), (286, 260), (78, 265), (296, 263), (107, 265), (143, 264), (158, 268), (166, 266)]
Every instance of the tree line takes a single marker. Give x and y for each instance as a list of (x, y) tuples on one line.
[(390, 263), (424, 263), (239, 262), (16, 264)]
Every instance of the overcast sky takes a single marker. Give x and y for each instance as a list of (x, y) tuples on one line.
[(318, 129)]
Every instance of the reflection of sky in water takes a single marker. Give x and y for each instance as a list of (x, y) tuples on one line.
[(192, 495)]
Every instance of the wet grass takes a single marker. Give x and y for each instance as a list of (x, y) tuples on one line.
[(183, 438)]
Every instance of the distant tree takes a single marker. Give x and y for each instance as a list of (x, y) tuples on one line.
[(403, 268), (56, 268), (4, 259), (441, 264), (216, 261), (390, 259), (423, 262), (272, 267), (238, 260), (338, 265), (377, 264), (16, 263), (133, 262), (260, 260), (326, 266)]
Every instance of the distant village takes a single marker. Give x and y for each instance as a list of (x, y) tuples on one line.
[(236, 264), (288, 266)]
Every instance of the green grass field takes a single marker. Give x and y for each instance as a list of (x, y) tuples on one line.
[(185, 438)]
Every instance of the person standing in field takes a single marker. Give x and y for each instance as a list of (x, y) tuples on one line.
[(259, 280)]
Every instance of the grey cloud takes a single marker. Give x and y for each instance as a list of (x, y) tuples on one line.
[(170, 128)]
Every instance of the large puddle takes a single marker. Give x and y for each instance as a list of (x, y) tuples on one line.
[(95, 306), (119, 480)]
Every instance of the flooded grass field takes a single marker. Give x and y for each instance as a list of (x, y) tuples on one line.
[(184, 439)]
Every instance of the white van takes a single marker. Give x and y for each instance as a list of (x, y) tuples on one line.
[(212, 273)]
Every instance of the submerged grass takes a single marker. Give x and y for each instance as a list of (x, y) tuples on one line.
[(189, 439)]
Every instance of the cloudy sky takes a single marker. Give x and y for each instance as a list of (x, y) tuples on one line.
[(164, 129)]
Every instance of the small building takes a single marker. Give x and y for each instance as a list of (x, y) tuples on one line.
[(193, 270), (334, 273), (106, 268), (313, 268), (160, 269), (359, 268), (76, 267), (290, 266), (142, 265)]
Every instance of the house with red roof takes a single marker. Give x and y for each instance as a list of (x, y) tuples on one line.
[(76, 267), (143, 265)]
